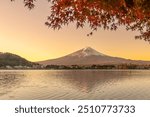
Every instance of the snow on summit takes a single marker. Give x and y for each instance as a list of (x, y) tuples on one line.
[(88, 51)]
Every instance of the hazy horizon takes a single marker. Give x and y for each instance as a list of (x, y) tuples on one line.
[(23, 32)]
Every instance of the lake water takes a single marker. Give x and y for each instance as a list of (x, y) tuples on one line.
[(74, 84)]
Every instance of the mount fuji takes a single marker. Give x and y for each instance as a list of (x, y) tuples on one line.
[(89, 56)]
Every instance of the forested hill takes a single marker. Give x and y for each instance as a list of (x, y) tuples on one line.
[(9, 59)]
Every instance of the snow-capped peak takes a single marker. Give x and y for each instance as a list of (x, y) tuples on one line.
[(88, 51)]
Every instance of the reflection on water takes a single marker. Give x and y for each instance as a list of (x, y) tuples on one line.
[(8, 80), (74, 84)]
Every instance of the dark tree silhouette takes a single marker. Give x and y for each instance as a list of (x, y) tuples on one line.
[(28, 3), (106, 14)]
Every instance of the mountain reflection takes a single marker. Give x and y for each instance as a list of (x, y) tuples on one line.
[(74, 84), (87, 80)]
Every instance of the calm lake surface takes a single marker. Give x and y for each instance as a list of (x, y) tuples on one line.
[(74, 84)]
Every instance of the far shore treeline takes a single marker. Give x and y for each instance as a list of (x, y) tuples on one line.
[(76, 67), (120, 66)]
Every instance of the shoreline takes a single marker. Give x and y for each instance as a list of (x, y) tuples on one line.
[(75, 69)]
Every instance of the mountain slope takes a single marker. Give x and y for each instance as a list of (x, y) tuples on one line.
[(9, 59), (89, 56)]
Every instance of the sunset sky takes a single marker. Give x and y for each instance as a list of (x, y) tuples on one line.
[(23, 32)]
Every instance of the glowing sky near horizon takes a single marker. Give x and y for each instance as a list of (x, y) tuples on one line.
[(23, 32)]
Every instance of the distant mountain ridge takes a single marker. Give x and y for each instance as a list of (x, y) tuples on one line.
[(9, 59), (89, 56)]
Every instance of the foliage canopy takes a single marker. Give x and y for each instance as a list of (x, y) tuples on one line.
[(106, 14)]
